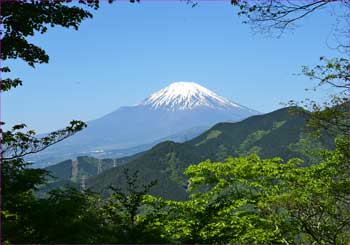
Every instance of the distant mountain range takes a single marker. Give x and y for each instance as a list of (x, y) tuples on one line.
[(178, 112), (276, 134)]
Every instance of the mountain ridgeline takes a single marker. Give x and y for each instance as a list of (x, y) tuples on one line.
[(278, 133)]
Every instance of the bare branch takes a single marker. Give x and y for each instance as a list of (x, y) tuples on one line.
[(266, 16)]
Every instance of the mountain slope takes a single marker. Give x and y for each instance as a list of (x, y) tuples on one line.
[(176, 108), (274, 134)]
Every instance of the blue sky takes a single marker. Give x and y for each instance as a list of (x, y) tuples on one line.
[(128, 51)]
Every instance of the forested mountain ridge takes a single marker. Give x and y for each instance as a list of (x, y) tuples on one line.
[(279, 133)]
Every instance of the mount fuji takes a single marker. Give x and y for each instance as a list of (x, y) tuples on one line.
[(176, 112)]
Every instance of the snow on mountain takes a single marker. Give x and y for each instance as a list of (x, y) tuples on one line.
[(174, 109), (187, 96)]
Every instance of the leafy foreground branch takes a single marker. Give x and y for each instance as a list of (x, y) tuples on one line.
[(240, 200), (17, 144)]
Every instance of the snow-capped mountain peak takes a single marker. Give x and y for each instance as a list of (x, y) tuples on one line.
[(187, 96), (180, 107)]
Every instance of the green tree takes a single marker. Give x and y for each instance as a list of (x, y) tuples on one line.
[(127, 219), (20, 20), (332, 116), (229, 199), (317, 197), (18, 183)]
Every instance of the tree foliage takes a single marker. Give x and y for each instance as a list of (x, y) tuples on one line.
[(21, 20), (333, 115), (126, 220)]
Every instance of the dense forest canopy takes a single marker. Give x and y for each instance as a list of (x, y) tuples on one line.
[(237, 200)]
